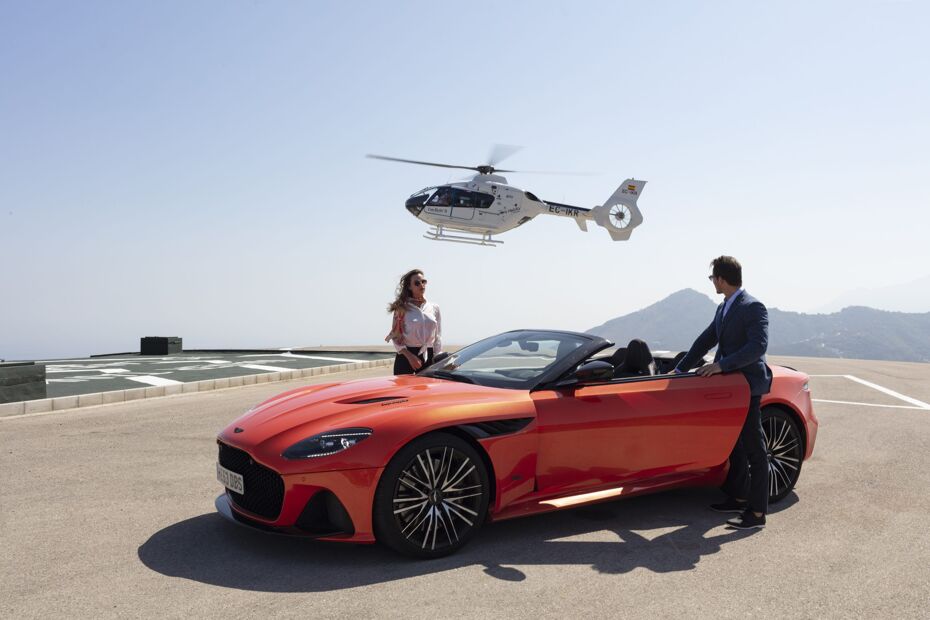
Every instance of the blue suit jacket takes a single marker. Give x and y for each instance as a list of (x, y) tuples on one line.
[(742, 337)]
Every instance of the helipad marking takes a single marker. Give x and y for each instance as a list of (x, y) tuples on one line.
[(268, 368), (919, 403), (885, 390), (150, 380), (847, 402), (320, 357), (300, 356)]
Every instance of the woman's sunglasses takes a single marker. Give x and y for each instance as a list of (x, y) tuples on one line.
[(419, 282)]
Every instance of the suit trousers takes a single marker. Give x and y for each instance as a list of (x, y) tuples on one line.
[(403, 367), (749, 462)]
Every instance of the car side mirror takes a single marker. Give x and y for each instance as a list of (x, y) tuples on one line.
[(436, 360), (591, 372)]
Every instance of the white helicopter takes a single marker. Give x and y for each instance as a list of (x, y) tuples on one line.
[(486, 205)]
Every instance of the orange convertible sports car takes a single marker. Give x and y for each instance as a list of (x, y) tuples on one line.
[(520, 423)]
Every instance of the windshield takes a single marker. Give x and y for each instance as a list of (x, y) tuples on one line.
[(513, 360)]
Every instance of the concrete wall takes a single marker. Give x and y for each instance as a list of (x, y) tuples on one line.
[(21, 381)]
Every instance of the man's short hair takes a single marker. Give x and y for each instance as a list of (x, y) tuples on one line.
[(729, 269)]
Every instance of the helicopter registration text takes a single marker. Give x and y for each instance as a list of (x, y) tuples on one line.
[(569, 211)]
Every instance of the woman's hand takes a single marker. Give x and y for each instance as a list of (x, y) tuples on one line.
[(415, 362)]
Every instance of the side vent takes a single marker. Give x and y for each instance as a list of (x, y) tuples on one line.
[(494, 428)]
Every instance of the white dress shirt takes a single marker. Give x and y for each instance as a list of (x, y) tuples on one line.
[(729, 302), (422, 328)]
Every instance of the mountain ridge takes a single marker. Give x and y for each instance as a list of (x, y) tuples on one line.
[(856, 332)]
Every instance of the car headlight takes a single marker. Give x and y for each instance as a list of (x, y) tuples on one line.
[(327, 443)]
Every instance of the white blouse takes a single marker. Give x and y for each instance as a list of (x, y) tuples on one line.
[(422, 328)]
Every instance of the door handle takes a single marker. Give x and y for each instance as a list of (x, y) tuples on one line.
[(718, 395)]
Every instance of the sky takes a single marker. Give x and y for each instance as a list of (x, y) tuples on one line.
[(198, 169)]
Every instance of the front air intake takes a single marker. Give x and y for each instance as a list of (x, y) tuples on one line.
[(324, 515)]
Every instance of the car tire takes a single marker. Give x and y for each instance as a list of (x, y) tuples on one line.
[(784, 447), (432, 497)]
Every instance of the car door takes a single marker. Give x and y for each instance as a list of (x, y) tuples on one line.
[(637, 429)]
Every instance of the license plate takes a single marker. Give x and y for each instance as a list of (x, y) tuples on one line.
[(230, 479)]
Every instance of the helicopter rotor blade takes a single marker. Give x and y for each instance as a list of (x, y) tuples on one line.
[(422, 163), (500, 152), (558, 173), (551, 172)]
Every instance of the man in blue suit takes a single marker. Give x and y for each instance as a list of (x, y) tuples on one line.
[(740, 332)]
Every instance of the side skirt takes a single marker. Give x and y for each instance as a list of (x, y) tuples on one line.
[(538, 503)]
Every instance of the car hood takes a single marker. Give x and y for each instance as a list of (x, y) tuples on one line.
[(391, 405)]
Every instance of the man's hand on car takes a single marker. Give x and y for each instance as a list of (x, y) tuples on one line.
[(709, 369)]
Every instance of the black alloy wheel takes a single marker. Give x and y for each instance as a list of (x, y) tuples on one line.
[(432, 497), (783, 445)]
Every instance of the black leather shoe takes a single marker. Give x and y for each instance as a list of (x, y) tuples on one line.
[(731, 505), (747, 521)]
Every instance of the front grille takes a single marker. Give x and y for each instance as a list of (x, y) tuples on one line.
[(264, 489)]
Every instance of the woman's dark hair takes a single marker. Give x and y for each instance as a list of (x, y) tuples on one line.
[(729, 269), (402, 296)]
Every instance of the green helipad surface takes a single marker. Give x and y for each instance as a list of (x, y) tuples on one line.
[(125, 371)]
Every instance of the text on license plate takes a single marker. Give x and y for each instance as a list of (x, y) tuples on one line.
[(230, 479)]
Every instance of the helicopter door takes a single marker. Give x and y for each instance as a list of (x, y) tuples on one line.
[(463, 204)]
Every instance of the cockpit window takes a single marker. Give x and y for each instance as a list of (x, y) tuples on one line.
[(442, 198), (463, 198), (453, 197), (472, 200)]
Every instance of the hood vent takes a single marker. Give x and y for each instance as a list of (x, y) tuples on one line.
[(368, 401)]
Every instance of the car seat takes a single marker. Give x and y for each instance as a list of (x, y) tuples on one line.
[(637, 362)]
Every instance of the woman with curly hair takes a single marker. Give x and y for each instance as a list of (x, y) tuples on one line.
[(417, 328)]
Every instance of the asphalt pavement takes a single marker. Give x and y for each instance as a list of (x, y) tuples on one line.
[(107, 512)]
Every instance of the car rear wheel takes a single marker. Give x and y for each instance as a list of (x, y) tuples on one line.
[(783, 444), (432, 497)]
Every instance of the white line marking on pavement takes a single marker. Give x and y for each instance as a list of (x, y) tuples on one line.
[(31, 415), (846, 402), (113, 371), (320, 357), (150, 380), (268, 368), (920, 404)]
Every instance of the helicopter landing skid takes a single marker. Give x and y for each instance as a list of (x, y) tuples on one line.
[(438, 233)]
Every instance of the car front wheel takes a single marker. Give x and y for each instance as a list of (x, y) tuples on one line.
[(432, 497)]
